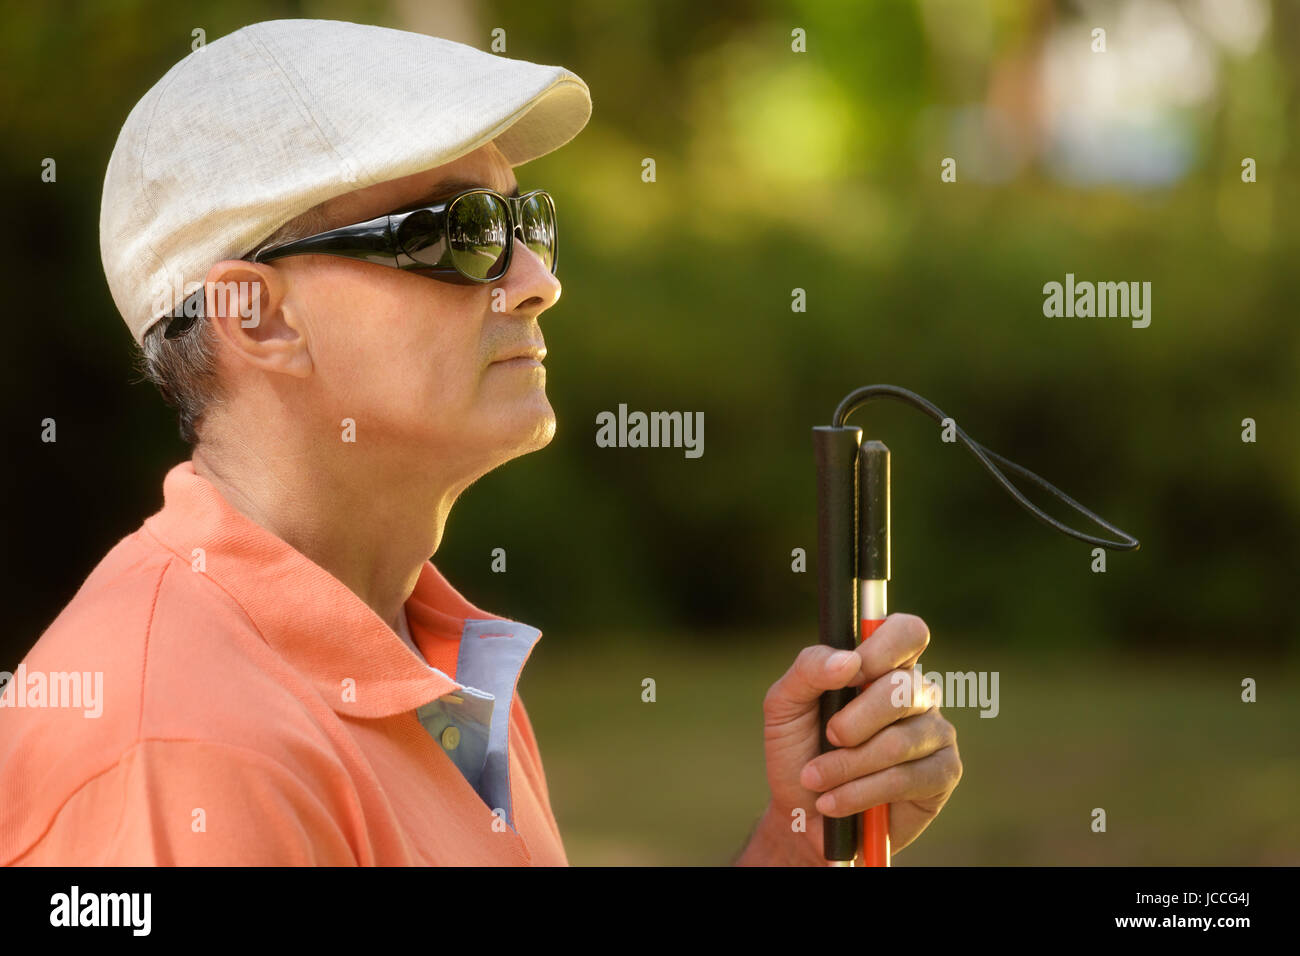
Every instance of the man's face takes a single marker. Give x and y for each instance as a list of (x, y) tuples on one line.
[(415, 361)]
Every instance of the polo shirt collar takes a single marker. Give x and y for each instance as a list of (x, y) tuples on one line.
[(313, 621)]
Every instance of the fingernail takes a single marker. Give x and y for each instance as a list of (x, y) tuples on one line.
[(840, 659), (825, 803), (813, 776)]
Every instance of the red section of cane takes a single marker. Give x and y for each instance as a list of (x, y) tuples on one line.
[(875, 822)]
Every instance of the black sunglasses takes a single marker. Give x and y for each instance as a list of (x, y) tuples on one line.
[(467, 239)]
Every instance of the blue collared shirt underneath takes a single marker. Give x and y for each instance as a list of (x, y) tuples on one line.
[(467, 723)]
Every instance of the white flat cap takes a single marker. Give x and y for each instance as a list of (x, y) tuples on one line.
[(261, 125)]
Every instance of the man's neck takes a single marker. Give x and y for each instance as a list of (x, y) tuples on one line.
[(370, 529)]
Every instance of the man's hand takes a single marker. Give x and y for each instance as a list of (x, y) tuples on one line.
[(892, 744)]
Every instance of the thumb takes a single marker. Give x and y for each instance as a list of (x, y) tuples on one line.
[(818, 668)]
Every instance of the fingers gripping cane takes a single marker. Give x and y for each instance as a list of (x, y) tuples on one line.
[(853, 532)]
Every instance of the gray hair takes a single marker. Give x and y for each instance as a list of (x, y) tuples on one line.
[(184, 368)]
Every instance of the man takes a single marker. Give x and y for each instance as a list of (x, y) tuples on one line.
[(315, 232)]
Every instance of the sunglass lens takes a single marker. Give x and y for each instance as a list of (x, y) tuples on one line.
[(478, 233), (538, 224), (420, 237), (477, 240)]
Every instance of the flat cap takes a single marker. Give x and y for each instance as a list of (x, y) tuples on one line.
[(261, 125)]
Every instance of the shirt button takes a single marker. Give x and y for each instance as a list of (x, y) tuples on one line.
[(451, 737)]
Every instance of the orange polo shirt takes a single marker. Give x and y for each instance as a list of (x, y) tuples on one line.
[(212, 697)]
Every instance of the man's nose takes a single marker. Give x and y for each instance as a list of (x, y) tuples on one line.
[(530, 283)]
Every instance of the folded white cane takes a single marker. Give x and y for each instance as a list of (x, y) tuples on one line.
[(853, 532)]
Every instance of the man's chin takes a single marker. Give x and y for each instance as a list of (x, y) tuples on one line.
[(535, 428), (543, 430)]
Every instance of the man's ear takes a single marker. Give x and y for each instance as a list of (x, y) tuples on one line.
[(246, 304)]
